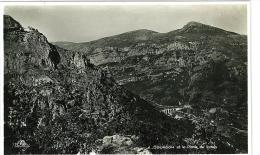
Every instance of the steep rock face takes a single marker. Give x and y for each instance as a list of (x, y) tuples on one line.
[(198, 65), (10, 24), (56, 101), (43, 54)]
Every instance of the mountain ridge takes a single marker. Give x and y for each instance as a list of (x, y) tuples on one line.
[(188, 27)]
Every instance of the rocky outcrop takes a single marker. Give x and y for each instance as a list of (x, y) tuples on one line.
[(120, 144)]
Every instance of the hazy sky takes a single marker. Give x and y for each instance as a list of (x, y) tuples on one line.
[(89, 22)]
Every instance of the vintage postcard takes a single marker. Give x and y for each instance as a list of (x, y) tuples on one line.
[(126, 78)]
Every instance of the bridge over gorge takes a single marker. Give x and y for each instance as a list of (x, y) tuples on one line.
[(171, 111)]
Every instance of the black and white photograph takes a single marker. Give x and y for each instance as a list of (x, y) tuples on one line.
[(126, 78)]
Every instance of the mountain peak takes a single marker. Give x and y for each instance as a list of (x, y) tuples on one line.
[(194, 23), (193, 26), (141, 34), (196, 27), (142, 31), (124, 39)]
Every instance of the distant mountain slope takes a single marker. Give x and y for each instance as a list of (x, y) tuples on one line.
[(120, 40), (124, 39), (56, 101), (198, 65)]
